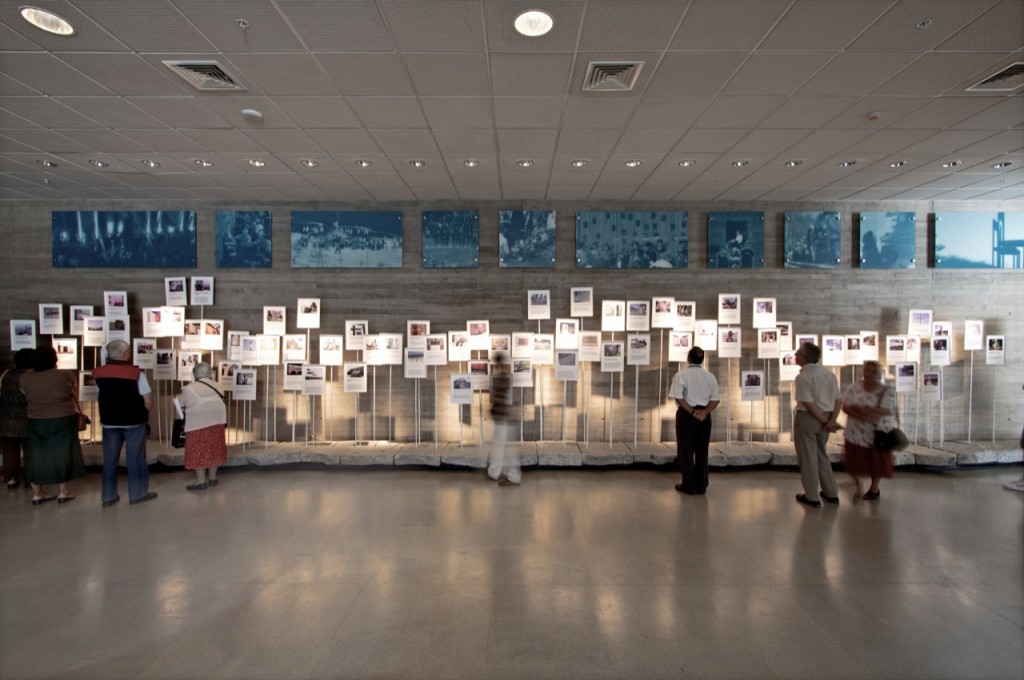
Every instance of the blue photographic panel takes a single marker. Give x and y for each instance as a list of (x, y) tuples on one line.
[(124, 239), (451, 238), (735, 240), (888, 240), (331, 238), (244, 239), (526, 238), (631, 240), (812, 239), (979, 240)]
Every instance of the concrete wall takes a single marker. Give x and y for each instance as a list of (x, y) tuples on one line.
[(840, 301)]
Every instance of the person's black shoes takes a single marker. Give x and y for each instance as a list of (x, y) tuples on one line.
[(800, 498), (113, 500), (148, 497)]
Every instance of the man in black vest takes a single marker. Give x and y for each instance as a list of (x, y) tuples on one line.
[(124, 396)]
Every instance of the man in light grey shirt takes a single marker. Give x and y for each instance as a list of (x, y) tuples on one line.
[(818, 406), (695, 392)]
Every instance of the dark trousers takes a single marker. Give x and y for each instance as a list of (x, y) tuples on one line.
[(11, 448), (692, 440)]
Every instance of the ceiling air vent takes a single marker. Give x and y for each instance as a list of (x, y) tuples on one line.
[(611, 76), (1005, 80), (207, 76)]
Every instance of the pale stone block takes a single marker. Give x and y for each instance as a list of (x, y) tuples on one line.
[(419, 454), (932, 457), (616, 453), (745, 454), (555, 454), (658, 454), (470, 455)]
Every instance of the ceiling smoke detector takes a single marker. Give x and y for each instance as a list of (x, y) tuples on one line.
[(611, 76)]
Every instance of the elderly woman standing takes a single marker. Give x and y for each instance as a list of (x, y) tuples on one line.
[(56, 455), (205, 419), (868, 405), (14, 418)]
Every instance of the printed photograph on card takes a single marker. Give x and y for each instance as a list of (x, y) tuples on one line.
[(735, 240), (458, 346), (638, 315), (631, 240), (913, 348), (522, 345), (730, 342), (234, 345), (526, 238), (852, 357), (752, 385), (812, 239), (415, 363), (686, 315), (307, 313), (186, 362), (802, 338), (940, 350), (500, 351), (152, 322), (888, 240), (436, 353), (994, 352), (355, 378), (251, 350), (906, 377), (77, 315), (613, 315), (244, 239), (638, 350), (590, 346), (274, 320), (788, 368), (979, 240), (175, 291), (729, 312), (87, 389), (461, 388), (705, 335), (920, 323), (764, 313), (293, 376), (612, 359), (522, 373), (663, 313), (567, 336), (543, 349), (480, 373), (869, 345), (115, 303), (416, 333), (51, 319), (67, 354), (166, 365), (332, 350), (118, 328), (538, 305), (294, 347), (566, 366), (785, 336), (173, 320), (144, 353), (451, 238), (268, 351), (95, 334), (355, 331), (226, 374), (213, 335), (162, 239), (202, 290), (581, 304), (833, 350), (245, 384), (768, 343), (479, 334), (931, 386), (392, 344), (974, 334), (679, 345), (192, 338), (346, 239), (895, 348)]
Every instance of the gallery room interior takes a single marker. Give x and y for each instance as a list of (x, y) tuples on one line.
[(351, 208)]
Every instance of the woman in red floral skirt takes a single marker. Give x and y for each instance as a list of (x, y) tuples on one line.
[(205, 419)]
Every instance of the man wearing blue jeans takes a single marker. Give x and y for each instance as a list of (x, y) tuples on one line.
[(124, 396)]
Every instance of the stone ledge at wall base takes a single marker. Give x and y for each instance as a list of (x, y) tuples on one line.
[(559, 454)]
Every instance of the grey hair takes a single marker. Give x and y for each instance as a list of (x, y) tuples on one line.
[(811, 352), (118, 350), (201, 370)]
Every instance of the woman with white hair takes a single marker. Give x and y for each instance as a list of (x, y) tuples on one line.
[(205, 419)]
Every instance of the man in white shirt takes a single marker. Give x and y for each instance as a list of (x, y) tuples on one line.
[(818, 406), (695, 392)]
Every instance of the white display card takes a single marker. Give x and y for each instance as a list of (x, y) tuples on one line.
[(458, 346), (705, 335), (391, 344), (186, 362), (152, 322), (764, 313), (416, 333), (566, 365), (115, 303), (213, 335), (235, 345), (87, 390), (226, 374), (638, 349), (686, 315), (95, 331), (752, 384), (801, 339), (638, 315), (729, 309), (23, 333), (332, 350), (480, 372), (931, 386), (51, 319), (913, 349), (202, 290), (590, 346), (895, 348), (582, 302), (314, 380), (852, 354), (415, 363), (543, 349), (785, 336), (833, 351), (294, 347), (920, 323), (906, 376), (730, 342), (679, 345), (355, 378), (500, 344), (192, 338), (538, 305), (245, 384), (175, 294), (293, 376), (869, 345), (994, 353), (940, 350), (664, 314), (355, 331), (436, 353), (268, 352), (250, 354), (118, 328), (67, 353), (78, 313), (611, 357), (479, 334), (522, 373), (144, 353), (613, 316), (373, 350), (308, 313), (974, 335), (567, 336), (166, 365), (788, 368), (274, 320), (461, 388), (768, 343), (174, 321)]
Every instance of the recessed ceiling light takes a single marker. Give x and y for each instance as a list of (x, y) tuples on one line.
[(951, 164), (417, 163), (846, 164), (740, 163), (150, 164), (525, 163), (1003, 164), (471, 162), (897, 164), (364, 164), (309, 162), (47, 164), (924, 23), (98, 164), (256, 162), (47, 21), (534, 23), (687, 163), (792, 164), (202, 162), (578, 163), (634, 163)]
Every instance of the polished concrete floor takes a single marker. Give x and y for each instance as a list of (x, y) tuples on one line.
[(362, 573)]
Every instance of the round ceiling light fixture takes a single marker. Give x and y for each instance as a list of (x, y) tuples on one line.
[(740, 163), (792, 164), (47, 164), (257, 163), (924, 23), (203, 163), (417, 163), (471, 162), (897, 164), (846, 164), (98, 164), (525, 163), (150, 164), (46, 20), (687, 163), (578, 163), (534, 23), (309, 162), (364, 164), (634, 163)]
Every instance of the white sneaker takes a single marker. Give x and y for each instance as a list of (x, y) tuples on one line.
[(1015, 486)]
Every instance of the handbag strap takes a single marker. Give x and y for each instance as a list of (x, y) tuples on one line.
[(881, 396), (219, 393)]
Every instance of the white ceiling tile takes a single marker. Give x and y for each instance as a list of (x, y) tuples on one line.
[(936, 73), (458, 112), (150, 25), (472, 140), (163, 140), (737, 112), (364, 73), (222, 140), (230, 109), (43, 111), (530, 74), (765, 140), (283, 140), (999, 29), (648, 141), (393, 140), (828, 141), (88, 37), (1007, 113), (131, 74), (889, 109), (334, 140), (669, 112), (528, 112), (727, 24), (266, 29), (612, 25), (107, 141), (435, 25), (856, 73), (597, 111), (111, 112), (775, 73), (40, 139), (828, 26), (807, 112), (355, 24), (284, 74), (576, 141), (899, 28), (318, 112), (392, 112), (709, 140), (526, 141), (12, 88), (681, 75), (449, 74), (499, 16), (180, 112)]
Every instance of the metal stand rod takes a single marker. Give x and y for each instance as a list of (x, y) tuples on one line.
[(636, 403), (970, 398)]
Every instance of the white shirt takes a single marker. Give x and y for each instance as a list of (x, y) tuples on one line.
[(695, 386), (817, 385)]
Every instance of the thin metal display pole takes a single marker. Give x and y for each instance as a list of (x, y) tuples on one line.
[(728, 409), (993, 410), (636, 404), (266, 410), (390, 415), (295, 412), (661, 369), (564, 393), (436, 428), (942, 409), (768, 398), (970, 399), (373, 407), (611, 410)]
